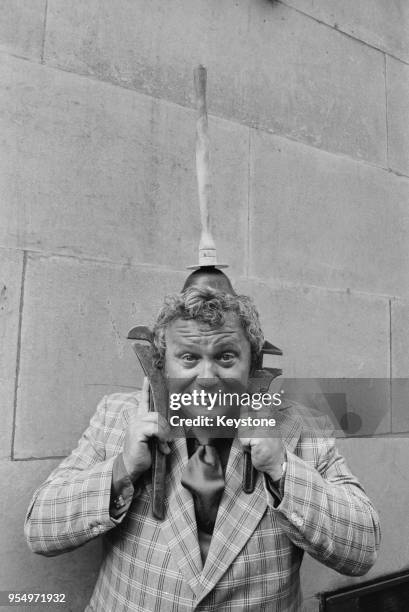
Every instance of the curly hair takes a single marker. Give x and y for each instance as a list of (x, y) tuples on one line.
[(209, 306)]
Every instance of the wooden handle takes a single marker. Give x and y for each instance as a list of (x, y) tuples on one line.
[(158, 401), (207, 247), (200, 77)]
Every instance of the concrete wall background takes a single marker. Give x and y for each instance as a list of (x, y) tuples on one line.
[(309, 132)]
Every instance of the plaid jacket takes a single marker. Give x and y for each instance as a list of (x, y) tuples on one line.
[(256, 549)]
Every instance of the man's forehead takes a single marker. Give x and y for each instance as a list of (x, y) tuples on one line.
[(181, 329)]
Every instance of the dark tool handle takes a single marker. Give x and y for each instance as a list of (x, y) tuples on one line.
[(249, 472), (260, 382), (157, 402), (158, 470), (158, 482), (158, 475)]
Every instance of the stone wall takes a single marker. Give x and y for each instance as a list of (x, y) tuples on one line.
[(309, 115)]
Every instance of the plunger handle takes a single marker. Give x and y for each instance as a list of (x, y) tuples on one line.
[(207, 247)]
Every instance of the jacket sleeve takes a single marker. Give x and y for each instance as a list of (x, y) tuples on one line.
[(72, 506), (325, 511)]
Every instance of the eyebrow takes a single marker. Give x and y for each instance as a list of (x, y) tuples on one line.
[(228, 341), (221, 345), (227, 345)]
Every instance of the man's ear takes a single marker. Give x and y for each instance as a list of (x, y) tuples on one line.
[(158, 361)]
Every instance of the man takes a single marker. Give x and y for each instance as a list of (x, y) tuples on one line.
[(245, 552)]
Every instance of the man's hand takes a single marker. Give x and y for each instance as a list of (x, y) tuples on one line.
[(267, 453), (144, 425)]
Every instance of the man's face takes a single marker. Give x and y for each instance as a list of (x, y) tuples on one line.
[(202, 358)]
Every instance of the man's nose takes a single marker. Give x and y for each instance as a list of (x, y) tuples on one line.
[(207, 374), (207, 383)]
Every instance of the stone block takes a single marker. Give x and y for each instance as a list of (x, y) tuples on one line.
[(329, 336), (384, 25), (400, 367), (381, 466), (269, 66), (327, 221), (397, 75), (11, 272), (74, 573), (101, 171), (74, 347), (22, 25)]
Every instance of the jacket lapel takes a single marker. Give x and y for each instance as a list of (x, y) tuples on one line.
[(179, 527), (237, 518), (240, 513)]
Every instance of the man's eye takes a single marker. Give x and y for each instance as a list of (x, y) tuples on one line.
[(188, 358), (226, 357)]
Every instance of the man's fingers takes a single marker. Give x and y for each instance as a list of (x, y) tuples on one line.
[(164, 447), (158, 420), (151, 428), (146, 424)]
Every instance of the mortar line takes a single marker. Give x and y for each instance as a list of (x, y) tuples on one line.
[(44, 32), (282, 285), (88, 258), (232, 120), (343, 32), (18, 353), (336, 154), (275, 284), (59, 457)]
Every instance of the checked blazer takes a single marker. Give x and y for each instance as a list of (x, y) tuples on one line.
[(256, 549)]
